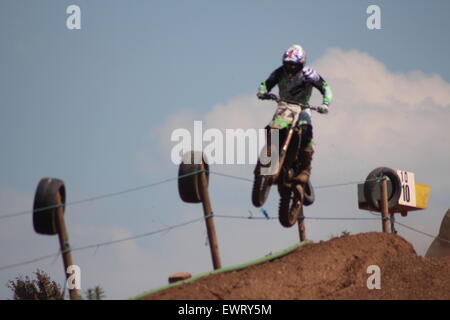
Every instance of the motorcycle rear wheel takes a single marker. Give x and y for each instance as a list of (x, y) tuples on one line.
[(289, 207)]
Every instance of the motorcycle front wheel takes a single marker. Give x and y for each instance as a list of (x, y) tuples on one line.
[(261, 187)]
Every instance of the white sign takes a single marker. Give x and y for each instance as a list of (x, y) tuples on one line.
[(408, 188)]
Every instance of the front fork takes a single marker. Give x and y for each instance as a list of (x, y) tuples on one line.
[(275, 177)]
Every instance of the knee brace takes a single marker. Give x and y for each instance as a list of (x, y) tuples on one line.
[(307, 135)]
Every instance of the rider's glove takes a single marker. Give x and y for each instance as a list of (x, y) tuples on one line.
[(261, 96), (267, 96), (262, 91), (323, 109)]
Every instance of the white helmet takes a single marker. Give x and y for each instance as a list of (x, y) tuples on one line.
[(294, 59)]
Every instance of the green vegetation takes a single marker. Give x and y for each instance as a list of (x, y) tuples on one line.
[(40, 289), (43, 288)]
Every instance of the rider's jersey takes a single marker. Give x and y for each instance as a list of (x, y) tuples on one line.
[(298, 87)]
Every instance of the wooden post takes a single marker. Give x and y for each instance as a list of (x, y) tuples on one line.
[(384, 204), (64, 244), (301, 225), (207, 210)]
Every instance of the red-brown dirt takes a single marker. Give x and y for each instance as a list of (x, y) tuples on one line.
[(334, 269)]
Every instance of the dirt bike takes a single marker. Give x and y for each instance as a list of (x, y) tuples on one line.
[(292, 196)]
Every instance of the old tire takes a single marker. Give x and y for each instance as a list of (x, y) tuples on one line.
[(371, 186), (261, 187), (49, 192), (309, 194), (289, 207), (188, 181)]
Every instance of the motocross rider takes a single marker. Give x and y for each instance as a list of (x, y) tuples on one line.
[(295, 83)]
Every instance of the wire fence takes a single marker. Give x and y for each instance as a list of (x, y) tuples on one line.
[(172, 227)]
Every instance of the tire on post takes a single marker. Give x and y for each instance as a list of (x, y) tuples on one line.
[(44, 220), (188, 180), (371, 187)]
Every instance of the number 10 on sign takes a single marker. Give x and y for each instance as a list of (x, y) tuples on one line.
[(408, 190)]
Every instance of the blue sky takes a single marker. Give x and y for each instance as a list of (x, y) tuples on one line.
[(94, 106)]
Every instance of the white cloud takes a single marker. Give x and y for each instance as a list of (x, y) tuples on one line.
[(359, 78), (396, 119)]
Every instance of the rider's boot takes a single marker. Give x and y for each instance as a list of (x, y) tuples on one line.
[(305, 159), (301, 192)]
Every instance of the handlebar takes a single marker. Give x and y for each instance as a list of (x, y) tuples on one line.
[(271, 96)]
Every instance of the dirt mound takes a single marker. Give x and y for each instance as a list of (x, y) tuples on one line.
[(335, 269)]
